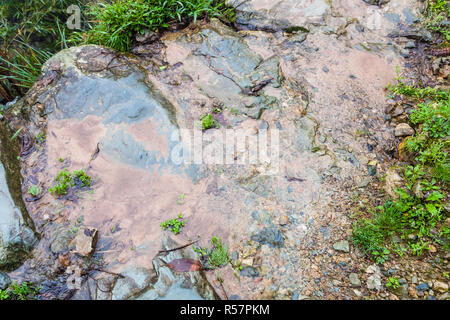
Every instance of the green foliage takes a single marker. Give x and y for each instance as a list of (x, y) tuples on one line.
[(419, 207), (80, 176), (437, 14), (392, 283), (216, 256), (40, 138), (180, 199), (174, 225), (31, 31), (65, 179), (119, 21), (209, 122), (402, 88), (22, 291), (34, 190)]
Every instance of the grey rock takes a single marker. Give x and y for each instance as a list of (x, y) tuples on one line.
[(422, 287), (403, 129), (5, 281), (440, 286), (248, 271), (376, 2), (272, 236), (16, 237), (136, 279), (445, 296), (342, 246), (288, 15), (402, 291), (374, 282), (410, 45), (354, 280), (176, 285)]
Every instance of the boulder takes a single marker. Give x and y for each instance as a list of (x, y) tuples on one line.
[(16, 237)]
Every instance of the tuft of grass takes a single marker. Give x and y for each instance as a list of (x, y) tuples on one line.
[(215, 257), (119, 21), (174, 225)]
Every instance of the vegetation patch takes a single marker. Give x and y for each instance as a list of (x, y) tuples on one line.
[(66, 180), (22, 291), (437, 16), (174, 225), (209, 122), (118, 22), (35, 190), (418, 215), (214, 257), (30, 32)]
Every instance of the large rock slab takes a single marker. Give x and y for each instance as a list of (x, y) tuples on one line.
[(280, 15), (16, 238)]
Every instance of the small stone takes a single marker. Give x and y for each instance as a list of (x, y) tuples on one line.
[(357, 293), (374, 282), (342, 246), (422, 287), (364, 182), (410, 45), (5, 281), (445, 296), (440, 287), (412, 293), (393, 181), (397, 111), (373, 269), (432, 248), (403, 129), (248, 262), (414, 279), (85, 241), (284, 220), (354, 280)]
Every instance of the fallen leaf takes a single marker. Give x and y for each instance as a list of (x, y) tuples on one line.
[(185, 265)]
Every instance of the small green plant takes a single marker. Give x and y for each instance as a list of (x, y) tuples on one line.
[(174, 225), (65, 179), (40, 138), (418, 247), (216, 256), (209, 122), (234, 111), (81, 177), (392, 283), (61, 160), (180, 199), (34, 190), (22, 291)]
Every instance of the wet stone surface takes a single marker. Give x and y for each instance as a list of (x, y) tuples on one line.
[(120, 118)]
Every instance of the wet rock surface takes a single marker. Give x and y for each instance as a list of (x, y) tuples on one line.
[(302, 68), (16, 237)]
